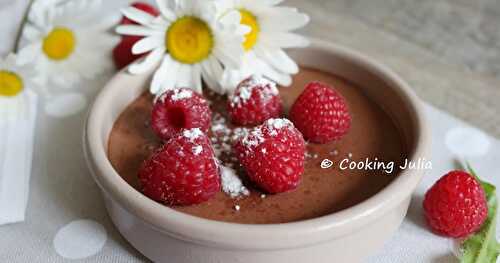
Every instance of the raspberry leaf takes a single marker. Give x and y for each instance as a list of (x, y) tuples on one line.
[(482, 246)]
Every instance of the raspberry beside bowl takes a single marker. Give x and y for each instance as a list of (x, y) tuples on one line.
[(165, 235)]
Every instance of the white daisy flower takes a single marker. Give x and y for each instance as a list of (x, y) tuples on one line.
[(190, 42), (270, 34), (65, 41), (14, 92)]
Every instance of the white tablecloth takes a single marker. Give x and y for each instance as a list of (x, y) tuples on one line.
[(66, 218)]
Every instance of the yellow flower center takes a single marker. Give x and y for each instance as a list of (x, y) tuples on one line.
[(189, 40), (10, 84), (250, 20), (59, 44)]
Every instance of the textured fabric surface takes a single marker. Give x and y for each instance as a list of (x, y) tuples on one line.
[(62, 190), (412, 45), (413, 242)]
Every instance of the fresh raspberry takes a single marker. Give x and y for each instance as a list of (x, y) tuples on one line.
[(179, 109), (255, 100), (321, 113), (273, 155), (455, 206), (182, 172), (144, 7), (122, 53)]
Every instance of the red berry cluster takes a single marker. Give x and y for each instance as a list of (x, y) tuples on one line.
[(184, 170)]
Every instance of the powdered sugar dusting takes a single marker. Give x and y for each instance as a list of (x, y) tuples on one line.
[(231, 183), (221, 142), (180, 94), (311, 155), (278, 124), (223, 137), (192, 134), (259, 80), (253, 138), (246, 87), (197, 149), (243, 96), (240, 132)]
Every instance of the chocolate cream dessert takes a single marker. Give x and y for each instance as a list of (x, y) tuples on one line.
[(322, 191)]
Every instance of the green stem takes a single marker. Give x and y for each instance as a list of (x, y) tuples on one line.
[(23, 23)]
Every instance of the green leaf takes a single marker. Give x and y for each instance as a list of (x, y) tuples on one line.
[(482, 247)]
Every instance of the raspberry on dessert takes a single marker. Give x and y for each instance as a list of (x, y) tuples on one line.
[(182, 172), (321, 113), (455, 206), (179, 109), (255, 100), (273, 155), (122, 53), (141, 6)]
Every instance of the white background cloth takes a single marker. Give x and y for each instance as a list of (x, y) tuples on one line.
[(65, 208), (16, 154), (11, 13)]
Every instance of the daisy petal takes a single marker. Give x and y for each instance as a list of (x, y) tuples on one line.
[(284, 40), (10, 59), (159, 23), (136, 30), (191, 7), (228, 55), (231, 78), (166, 68), (260, 3), (31, 33), (29, 53), (147, 44), (209, 80), (278, 59), (148, 62), (283, 19), (196, 78), (211, 71), (171, 74), (205, 9), (270, 72), (137, 15), (243, 30), (215, 68), (231, 18), (165, 10), (273, 2), (184, 76)]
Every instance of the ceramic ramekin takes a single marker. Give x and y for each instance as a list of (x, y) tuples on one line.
[(165, 235)]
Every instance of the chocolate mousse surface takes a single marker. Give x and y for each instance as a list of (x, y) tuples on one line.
[(373, 135)]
